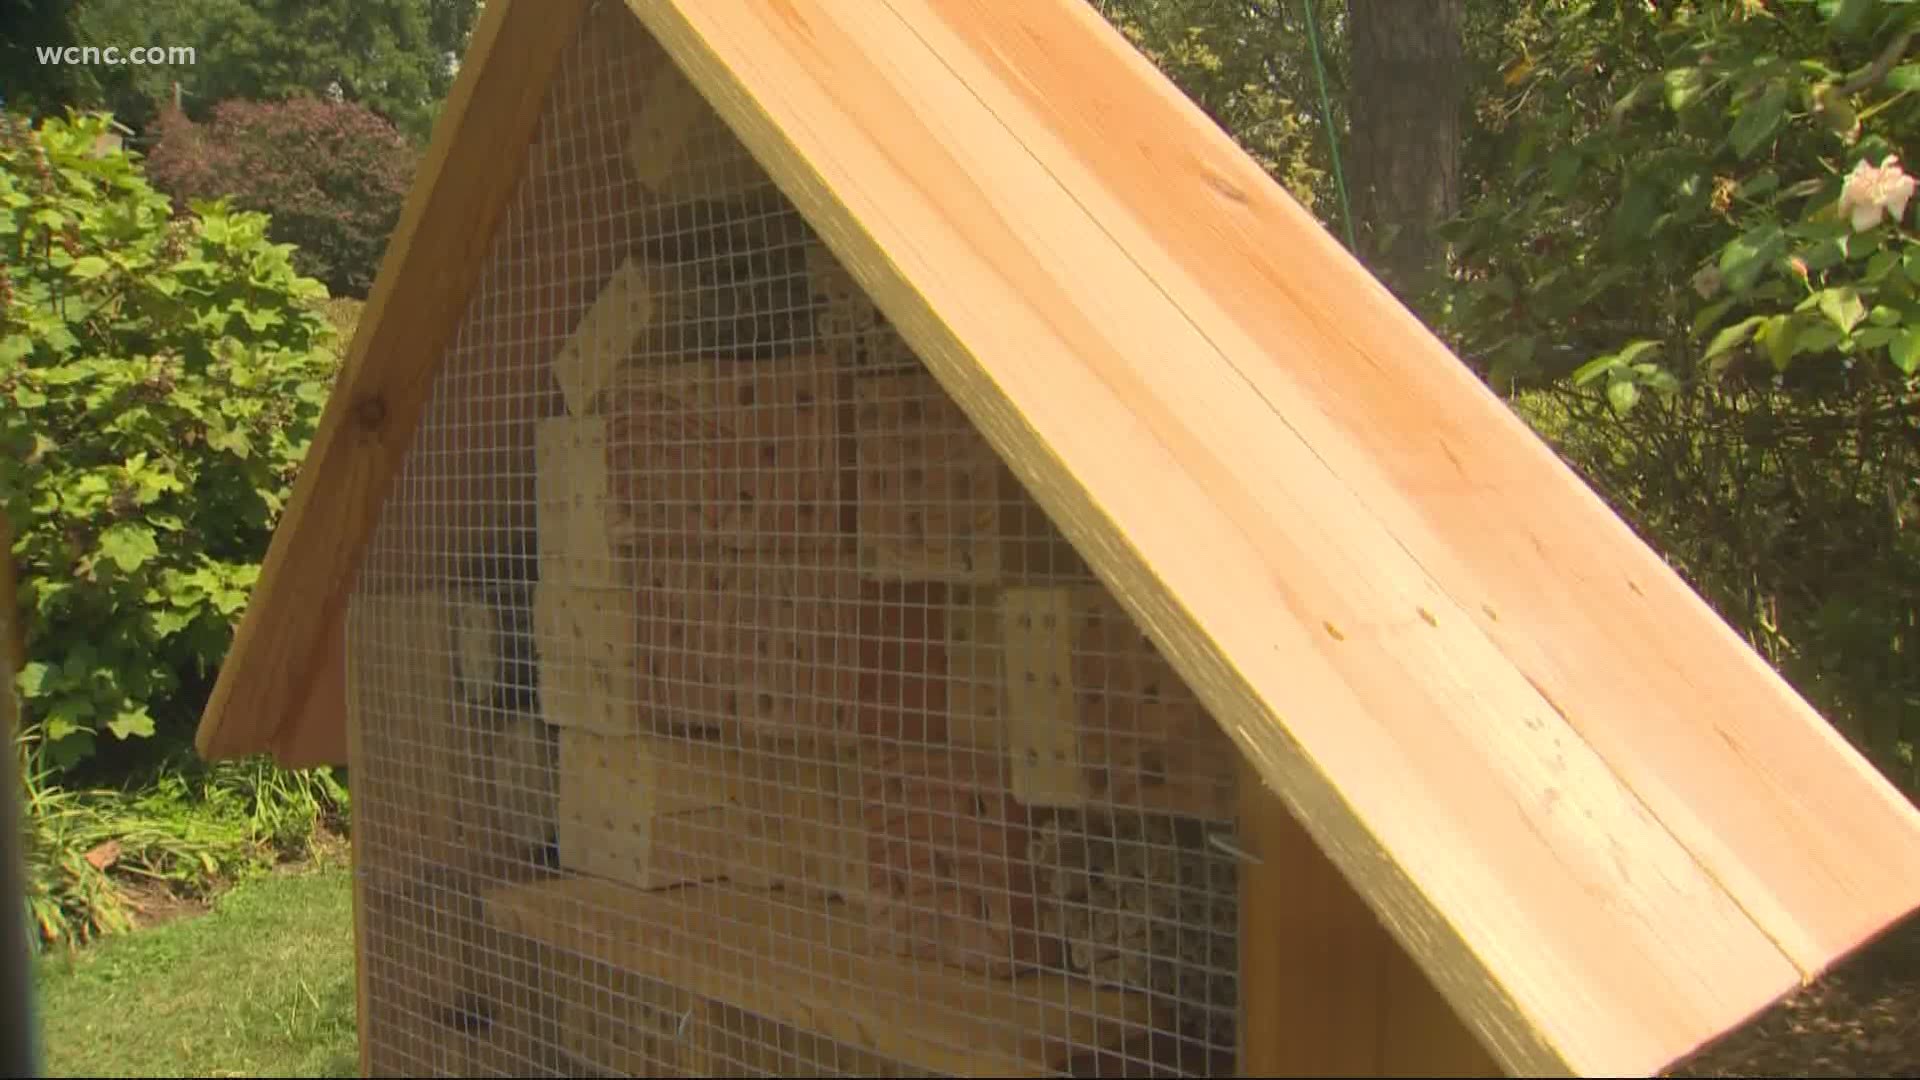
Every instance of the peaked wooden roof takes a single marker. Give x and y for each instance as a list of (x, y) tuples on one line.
[(1602, 824)]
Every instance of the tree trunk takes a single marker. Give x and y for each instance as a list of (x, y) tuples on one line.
[(1408, 84)]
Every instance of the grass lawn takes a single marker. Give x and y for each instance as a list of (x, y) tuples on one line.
[(261, 985)]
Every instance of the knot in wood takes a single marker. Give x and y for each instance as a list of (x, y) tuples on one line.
[(369, 413)]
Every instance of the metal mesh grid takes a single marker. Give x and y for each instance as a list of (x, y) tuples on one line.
[(724, 705)]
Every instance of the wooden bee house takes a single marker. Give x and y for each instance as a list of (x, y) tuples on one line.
[(865, 537)]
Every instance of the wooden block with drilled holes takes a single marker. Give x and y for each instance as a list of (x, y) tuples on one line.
[(976, 671), (1042, 723), (570, 492), (947, 858), (795, 819), (929, 484), (728, 645), (617, 822), (684, 603), (584, 636), (658, 811), (1144, 737), (680, 149), (902, 655), (608, 331), (736, 453), (792, 643)]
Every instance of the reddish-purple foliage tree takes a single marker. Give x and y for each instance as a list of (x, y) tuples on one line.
[(331, 175)]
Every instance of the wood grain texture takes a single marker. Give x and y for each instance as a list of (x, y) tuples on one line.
[(1747, 775), (811, 964), (1326, 990), (317, 734), (461, 190), (358, 861), (1553, 806)]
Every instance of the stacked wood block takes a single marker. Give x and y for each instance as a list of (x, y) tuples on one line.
[(731, 644), (929, 485), (1146, 741), (947, 858), (731, 453), (809, 636)]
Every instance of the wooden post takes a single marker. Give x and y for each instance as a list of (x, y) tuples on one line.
[(1325, 990)]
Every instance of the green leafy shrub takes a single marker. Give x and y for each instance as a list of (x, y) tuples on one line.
[(1660, 255), (160, 378), (185, 825)]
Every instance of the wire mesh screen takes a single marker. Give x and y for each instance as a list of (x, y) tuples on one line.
[(724, 705)]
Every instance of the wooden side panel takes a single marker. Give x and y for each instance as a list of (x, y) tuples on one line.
[(402, 660), (317, 735), (1324, 988), (440, 243)]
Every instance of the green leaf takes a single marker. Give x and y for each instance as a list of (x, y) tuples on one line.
[(1816, 338), (1777, 333), (1709, 315), (1904, 77), (1882, 315), (131, 723), (33, 677), (1683, 85), (1760, 183), (1847, 16), (1905, 351), (1744, 257), (1842, 307), (129, 545), (1737, 334), (88, 267), (1635, 350), (1594, 368), (1622, 394), (1757, 121), (168, 622)]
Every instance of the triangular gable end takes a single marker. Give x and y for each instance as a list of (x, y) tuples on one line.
[(1603, 826)]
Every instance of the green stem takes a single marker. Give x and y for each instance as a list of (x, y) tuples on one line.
[(1333, 138)]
